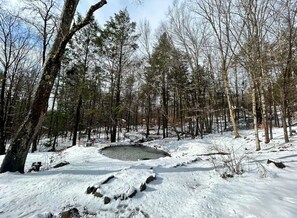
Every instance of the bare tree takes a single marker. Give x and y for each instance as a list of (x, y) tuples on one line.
[(16, 155), (257, 15), (252, 55), (284, 51), (42, 16), (218, 16), (189, 34), (13, 54)]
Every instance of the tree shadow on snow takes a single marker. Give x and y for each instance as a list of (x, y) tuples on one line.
[(73, 172), (288, 156), (182, 169)]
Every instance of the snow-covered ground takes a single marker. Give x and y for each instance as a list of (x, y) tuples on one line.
[(187, 184)]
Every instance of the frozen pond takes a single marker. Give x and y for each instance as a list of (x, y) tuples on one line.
[(133, 152)]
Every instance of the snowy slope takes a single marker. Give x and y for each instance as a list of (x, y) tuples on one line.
[(186, 185)]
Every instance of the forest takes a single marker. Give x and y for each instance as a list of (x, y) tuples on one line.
[(211, 67)]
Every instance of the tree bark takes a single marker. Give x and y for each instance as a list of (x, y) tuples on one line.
[(2, 120), (264, 114), (148, 116), (258, 147), (16, 155), (77, 120), (229, 100), (284, 121)]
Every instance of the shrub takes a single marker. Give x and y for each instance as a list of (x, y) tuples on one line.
[(230, 163)]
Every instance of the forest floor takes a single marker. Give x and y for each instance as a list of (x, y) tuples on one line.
[(190, 183)]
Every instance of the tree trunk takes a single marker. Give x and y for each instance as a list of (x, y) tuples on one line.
[(284, 121), (136, 117), (52, 114), (276, 119), (230, 106), (148, 116), (270, 112), (77, 120), (164, 108), (159, 121), (35, 143), (254, 102), (113, 133), (181, 115), (264, 114), (91, 119), (191, 129), (2, 120), (17, 152), (290, 122), (128, 119)]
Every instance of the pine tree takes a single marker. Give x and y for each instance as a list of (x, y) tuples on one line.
[(117, 44)]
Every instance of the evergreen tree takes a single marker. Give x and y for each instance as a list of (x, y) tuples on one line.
[(81, 62), (117, 44)]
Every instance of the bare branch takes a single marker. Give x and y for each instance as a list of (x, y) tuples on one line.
[(79, 26)]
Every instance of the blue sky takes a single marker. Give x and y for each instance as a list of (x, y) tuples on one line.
[(152, 10)]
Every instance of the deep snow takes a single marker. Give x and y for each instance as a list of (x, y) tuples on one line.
[(186, 185)]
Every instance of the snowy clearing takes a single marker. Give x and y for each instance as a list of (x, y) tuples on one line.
[(187, 184)]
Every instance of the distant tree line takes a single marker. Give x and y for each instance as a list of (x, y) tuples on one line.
[(212, 66)]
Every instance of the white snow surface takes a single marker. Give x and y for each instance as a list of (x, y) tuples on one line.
[(187, 184)]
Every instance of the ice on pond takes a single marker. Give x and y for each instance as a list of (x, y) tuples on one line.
[(133, 152)]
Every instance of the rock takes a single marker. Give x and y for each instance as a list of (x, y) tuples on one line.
[(132, 194), (106, 200), (142, 187), (72, 213), (277, 164), (61, 164), (227, 175), (107, 180), (121, 197), (91, 189), (150, 179), (98, 195), (35, 166)]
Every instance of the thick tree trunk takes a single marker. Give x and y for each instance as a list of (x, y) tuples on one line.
[(17, 152), (16, 155)]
